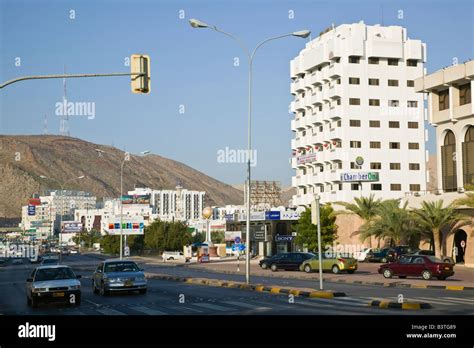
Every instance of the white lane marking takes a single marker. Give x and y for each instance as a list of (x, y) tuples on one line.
[(180, 308), (430, 300), (95, 304), (461, 299), (148, 311), (245, 305), (212, 306), (346, 301), (445, 299), (109, 311)]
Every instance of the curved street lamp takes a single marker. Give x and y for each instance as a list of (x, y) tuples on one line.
[(195, 23)]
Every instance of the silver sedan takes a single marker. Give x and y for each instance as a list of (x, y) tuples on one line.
[(118, 275)]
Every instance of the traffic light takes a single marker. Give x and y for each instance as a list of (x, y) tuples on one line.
[(140, 63)]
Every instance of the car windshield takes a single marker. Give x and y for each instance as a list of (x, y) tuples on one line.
[(46, 261), (54, 274), (435, 259), (121, 267)]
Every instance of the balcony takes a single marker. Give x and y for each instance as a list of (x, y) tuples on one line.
[(335, 112), (299, 104), (293, 88), (334, 154), (335, 91), (335, 133), (293, 125), (300, 85), (317, 98), (292, 107), (335, 70)]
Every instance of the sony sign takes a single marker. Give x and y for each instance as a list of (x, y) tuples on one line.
[(360, 176)]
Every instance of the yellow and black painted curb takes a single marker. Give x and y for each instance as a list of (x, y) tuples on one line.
[(408, 286), (396, 305), (256, 287)]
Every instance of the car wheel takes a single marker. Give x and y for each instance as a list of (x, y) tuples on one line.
[(142, 291), (102, 291), (447, 260), (426, 275), (351, 271), (387, 273), (94, 288), (264, 266), (335, 269), (307, 268), (384, 260), (274, 268), (402, 277), (171, 258)]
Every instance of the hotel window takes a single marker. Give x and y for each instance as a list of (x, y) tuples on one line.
[(338, 102), (465, 94), (320, 88), (373, 60), (376, 187), (338, 81), (393, 103), (354, 60), (375, 165), (373, 82), (412, 103), (414, 166), (392, 61), (354, 123), (415, 187), (412, 62), (395, 166), (320, 108), (374, 102), (374, 124), (354, 81), (393, 124), (339, 123), (413, 146), (393, 83), (410, 83), (443, 100), (355, 144), (395, 187), (354, 101), (375, 145), (340, 187), (355, 166), (355, 187), (320, 128), (394, 146), (412, 125)]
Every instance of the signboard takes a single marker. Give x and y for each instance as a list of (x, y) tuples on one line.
[(284, 238), (359, 176), (31, 210), (71, 227), (229, 217), (135, 225), (136, 199), (290, 215), (230, 236), (255, 216), (272, 215), (126, 251), (34, 201), (257, 233), (308, 158)]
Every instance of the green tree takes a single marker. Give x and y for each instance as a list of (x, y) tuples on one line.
[(88, 238), (307, 232), (199, 237), (110, 244), (161, 236), (364, 207), (218, 237), (435, 218)]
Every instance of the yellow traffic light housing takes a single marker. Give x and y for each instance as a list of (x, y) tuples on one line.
[(140, 64)]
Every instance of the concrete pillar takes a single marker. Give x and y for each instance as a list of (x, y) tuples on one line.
[(459, 161), (439, 167)]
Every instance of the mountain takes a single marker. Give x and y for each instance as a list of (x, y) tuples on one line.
[(24, 158)]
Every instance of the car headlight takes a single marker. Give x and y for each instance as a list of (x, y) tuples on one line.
[(74, 287), (39, 289), (140, 278), (112, 280)]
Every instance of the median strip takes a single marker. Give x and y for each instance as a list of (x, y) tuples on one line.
[(258, 287), (396, 305)]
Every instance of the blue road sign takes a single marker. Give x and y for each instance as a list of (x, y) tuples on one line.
[(237, 240)]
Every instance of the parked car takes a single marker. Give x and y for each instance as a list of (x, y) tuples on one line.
[(118, 275), (50, 260), (363, 255), (447, 259), (395, 252), (378, 255), (288, 261), (53, 283), (173, 255), (36, 259), (417, 266), (334, 264), (266, 262)]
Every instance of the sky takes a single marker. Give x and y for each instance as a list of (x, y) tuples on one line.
[(198, 102)]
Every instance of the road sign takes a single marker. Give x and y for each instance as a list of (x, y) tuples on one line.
[(237, 240), (31, 210), (127, 251)]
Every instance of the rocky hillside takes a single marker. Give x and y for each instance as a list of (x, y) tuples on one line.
[(23, 159)]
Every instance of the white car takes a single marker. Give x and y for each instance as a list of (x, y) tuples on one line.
[(173, 255), (361, 256)]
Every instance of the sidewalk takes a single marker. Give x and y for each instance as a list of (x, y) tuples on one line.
[(463, 278)]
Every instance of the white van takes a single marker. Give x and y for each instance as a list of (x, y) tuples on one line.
[(173, 255)]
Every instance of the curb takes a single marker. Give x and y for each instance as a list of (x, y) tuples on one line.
[(396, 305), (256, 287)]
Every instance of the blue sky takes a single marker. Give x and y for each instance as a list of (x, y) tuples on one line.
[(192, 68)]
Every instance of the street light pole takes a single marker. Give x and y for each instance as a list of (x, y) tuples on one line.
[(121, 203), (318, 220), (303, 34)]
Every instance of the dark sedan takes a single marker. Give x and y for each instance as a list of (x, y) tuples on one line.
[(287, 261), (378, 256), (417, 266)]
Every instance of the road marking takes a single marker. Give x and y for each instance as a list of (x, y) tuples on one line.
[(180, 308), (245, 305), (109, 311), (460, 298), (431, 300), (95, 304), (212, 306), (148, 311)]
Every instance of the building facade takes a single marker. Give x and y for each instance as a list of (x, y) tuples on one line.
[(358, 122), (451, 111)]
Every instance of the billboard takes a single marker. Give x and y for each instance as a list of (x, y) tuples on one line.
[(308, 158), (71, 227), (136, 199), (31, 210), (272, 215), (130, 225), (34, 201), (231, 235), (359, 176)]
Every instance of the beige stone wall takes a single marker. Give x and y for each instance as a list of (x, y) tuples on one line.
[(348, 230)]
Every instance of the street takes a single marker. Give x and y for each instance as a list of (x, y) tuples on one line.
[(177, 298)]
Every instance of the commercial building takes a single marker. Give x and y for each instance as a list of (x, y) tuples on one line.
[(451, 111), (63, 202), (37, 220), (358, 122)]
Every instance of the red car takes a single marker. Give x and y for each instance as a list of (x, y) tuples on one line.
[(416, 266)]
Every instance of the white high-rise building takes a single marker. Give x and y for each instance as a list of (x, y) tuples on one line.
[(359, 123)]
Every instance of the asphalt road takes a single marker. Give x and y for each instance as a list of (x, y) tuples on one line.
[(175, 298)]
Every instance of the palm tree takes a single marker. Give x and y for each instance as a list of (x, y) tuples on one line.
[(364, 207), (392, 222), (467, 201), (434, 217)]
